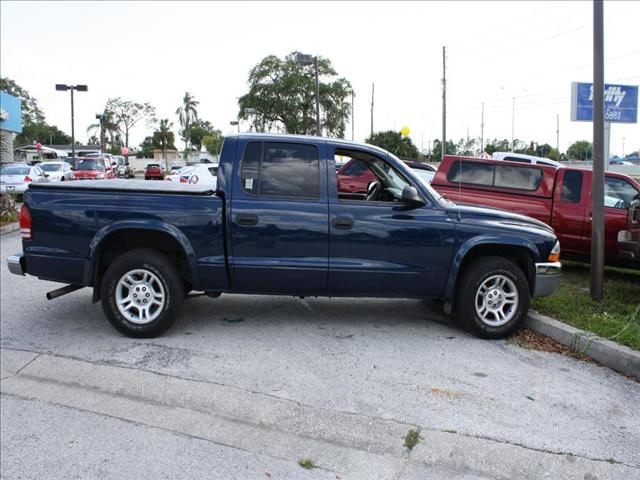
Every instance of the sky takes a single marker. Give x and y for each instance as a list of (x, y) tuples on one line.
[(155, 51)]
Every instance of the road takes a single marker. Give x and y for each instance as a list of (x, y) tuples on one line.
[(244, 387)]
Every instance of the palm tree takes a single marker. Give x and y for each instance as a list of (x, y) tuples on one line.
[(164, 129), (187, 114), (106, 130)]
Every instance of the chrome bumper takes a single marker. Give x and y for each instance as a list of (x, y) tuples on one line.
[(547, 277), (14, 262)]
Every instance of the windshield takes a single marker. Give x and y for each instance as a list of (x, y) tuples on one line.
[(50, 167), (91, 164), (14, 170)]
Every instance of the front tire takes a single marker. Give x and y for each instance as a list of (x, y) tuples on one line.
[(142, 293), (493, 297)]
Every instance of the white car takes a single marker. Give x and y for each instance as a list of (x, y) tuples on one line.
[(57, 171), (205, 174), (181, 175), (16, 177), (522, 158), (425, 176)]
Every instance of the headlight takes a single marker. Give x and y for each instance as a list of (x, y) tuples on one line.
[(99, 176), (554, 256)]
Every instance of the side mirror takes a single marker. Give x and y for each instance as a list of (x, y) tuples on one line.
[(410, 196), (114, 163), (73, 169)]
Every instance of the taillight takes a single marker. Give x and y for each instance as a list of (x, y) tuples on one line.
[(27, 178), (25, 223)]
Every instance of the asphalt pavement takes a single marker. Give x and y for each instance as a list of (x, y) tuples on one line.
[(245, 386)]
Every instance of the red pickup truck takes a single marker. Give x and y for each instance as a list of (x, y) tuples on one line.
[(559, 197)]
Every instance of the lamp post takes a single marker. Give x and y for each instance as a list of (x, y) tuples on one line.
[(99, 117), (61, 87), (513, 115), (304, 60)]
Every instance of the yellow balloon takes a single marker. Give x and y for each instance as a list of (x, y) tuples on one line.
[(405, 131)]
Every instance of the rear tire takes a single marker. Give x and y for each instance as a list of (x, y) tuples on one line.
[(493, 297), (142, 293)]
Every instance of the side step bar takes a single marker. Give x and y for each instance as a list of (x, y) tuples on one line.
[(62, 291)]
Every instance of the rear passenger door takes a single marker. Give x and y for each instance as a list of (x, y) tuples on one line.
[(279, 218)]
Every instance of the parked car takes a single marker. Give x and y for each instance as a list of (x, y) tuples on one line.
[(277, 225), (124, 169), (110, 163), (423, 171), (181, 175), (153, 171), (205, 174), (15, 178), (523, 158), (355, 177), (90, 169), (559, 197), (59, 171)]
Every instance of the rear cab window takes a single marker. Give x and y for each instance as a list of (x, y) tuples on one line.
[(526, 178)]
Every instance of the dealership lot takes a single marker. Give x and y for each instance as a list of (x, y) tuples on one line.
[(246, 386)]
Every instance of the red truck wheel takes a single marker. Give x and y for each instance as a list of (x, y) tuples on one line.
[(493, 297), (142, 293)]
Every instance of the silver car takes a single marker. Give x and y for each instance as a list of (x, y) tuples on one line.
[(16, 177), (58, 171)]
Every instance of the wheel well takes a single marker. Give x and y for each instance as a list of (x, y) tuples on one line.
[(123, 241), (518, 255)]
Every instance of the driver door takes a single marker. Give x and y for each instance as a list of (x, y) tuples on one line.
[(381, 247)]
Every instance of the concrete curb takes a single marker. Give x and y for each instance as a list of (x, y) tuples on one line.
[(610, 354), (9, 228)]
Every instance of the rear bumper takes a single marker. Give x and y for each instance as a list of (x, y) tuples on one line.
[(547, 277), (13, 189), (16, 264)]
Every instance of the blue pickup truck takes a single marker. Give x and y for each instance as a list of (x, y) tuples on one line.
[(276, 224)]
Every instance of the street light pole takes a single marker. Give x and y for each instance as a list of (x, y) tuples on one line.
[(304, 60), (61, 87)]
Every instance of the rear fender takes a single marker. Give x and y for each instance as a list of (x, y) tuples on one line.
[(103, 234)]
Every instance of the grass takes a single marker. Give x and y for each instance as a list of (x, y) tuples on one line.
[(617, 317), (411, 439), (8, 217), (306, 463)]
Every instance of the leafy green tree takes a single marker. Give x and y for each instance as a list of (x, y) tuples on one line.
[(199, 130), (187, 115), (436, 154), (125, 114), (395, 143), (43, 133), (213, 142), (162, 139), (282, 92), (31, 112), (466, 146), (496, 145), (107, 127), (580, 150)]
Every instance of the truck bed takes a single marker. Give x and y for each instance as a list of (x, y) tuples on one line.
[(122, 185)]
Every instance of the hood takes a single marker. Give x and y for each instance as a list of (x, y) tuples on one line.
[(503, 216)]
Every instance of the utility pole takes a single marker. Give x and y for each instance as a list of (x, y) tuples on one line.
[(597, 191), (373, 86), (482, 129), (558, 132), (318, 131), (353, 115), (443, 148)]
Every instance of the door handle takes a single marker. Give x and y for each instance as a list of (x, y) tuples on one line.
[(342, 223), (247, 219)]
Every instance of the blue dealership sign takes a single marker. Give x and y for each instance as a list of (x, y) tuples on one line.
[(620, 103), (10, 113)]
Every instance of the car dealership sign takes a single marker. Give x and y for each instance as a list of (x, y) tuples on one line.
[(620, 103)]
